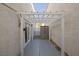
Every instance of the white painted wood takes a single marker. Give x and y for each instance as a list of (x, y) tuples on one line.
[(28, 35), (44, 15), (49, 34), (33, 7), (62, 35), (21, 35), (22, 38), (27, 43), (32, 32)]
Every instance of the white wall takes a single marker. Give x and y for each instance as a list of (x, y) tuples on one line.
[(21, 6), (9, 32), (71, 27), (9, 29)]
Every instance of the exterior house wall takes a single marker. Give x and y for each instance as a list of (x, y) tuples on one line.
[(71, 28), (10, 30)]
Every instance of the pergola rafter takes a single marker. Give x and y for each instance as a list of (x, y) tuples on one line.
[(41, 15)]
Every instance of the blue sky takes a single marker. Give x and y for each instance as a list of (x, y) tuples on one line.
[(40, 7)]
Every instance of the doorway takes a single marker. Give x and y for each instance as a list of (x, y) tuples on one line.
[(44, 32)]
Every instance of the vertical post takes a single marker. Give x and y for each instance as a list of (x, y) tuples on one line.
[(32, 31), (49, 33), (21, 35), (62, 36)]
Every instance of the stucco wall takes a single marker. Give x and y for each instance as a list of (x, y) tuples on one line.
[(21, 6), (72, 34), (71, 18), (55, 33), (9, 32), (9, 28)]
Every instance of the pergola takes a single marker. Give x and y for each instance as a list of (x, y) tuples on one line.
[(42, 16)]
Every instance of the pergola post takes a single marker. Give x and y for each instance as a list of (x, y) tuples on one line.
[(62, 36), (21, 35)]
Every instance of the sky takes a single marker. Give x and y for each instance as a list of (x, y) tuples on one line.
[(40, 7)]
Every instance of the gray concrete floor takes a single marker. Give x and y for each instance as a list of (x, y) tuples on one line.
[(40, 48)]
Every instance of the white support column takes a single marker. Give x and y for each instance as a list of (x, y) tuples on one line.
[(49, 33), (21, 36), (32, 32), (62, 35)]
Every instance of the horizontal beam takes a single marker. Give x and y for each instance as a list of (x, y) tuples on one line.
[(40, 13), (42, 16)]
